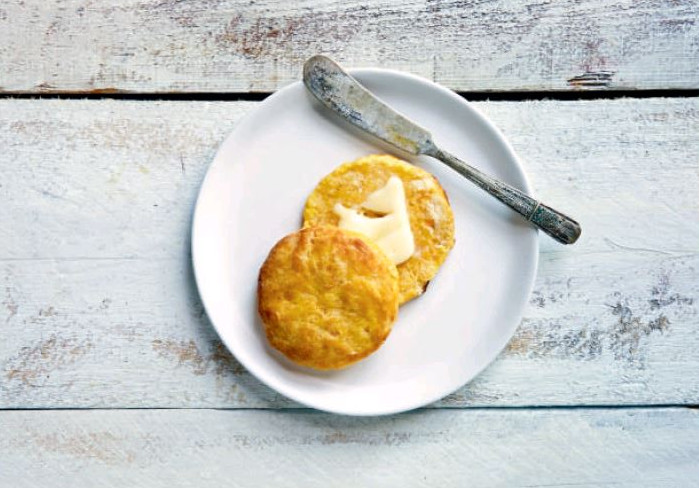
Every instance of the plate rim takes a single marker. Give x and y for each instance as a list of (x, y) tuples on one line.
[(280, 386)]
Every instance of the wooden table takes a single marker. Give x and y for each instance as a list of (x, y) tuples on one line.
[(111, 374)]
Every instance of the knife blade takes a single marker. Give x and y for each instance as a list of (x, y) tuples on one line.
[(343, 94)]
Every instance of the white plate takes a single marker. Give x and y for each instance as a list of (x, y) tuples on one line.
[(254, 193)]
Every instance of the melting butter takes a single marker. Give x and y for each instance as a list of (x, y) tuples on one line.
[(391, 232)]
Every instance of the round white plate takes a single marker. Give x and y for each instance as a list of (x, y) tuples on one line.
[(254, 193)]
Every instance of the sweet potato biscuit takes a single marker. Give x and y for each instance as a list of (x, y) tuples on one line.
[(327, 297), (431, 218)]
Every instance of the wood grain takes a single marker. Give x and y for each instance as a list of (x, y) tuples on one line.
[(170, 46), (98, 306), (515, 448)]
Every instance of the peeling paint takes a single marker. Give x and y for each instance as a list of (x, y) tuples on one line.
[(33, 365), (264, 37), (108, 90), (225, 363), (626, 338), (662, 297), (626, 335), (542, 338), (596, 79), (104, 447), (10, 304), (348, 437), (47, 312), (187, 353), (44, 86), (556, 290)]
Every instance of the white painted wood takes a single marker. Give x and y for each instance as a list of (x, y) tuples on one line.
[(98, 306), (499, 448), (240, 46)]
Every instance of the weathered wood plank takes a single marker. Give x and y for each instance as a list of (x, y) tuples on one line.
[(98, 306), (513, 448), (240, 46)]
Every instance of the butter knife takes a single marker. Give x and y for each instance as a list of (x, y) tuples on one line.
[(340, 92)]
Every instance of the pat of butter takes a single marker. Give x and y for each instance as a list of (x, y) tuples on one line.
[(391, 232)]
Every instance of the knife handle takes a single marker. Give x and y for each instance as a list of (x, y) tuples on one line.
[(554, 223)]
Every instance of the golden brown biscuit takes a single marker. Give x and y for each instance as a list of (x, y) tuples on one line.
[(431, 218), (327, 297)]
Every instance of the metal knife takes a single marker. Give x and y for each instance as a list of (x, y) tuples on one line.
[(338, 91)]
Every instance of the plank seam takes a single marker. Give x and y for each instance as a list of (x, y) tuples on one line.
[(656, 406), (512, 96)]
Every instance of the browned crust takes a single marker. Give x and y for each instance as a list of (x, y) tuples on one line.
[(431, 217), (327, 297)]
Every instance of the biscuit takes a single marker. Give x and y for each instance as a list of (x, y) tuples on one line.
[(431, 217), (327, 297)]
